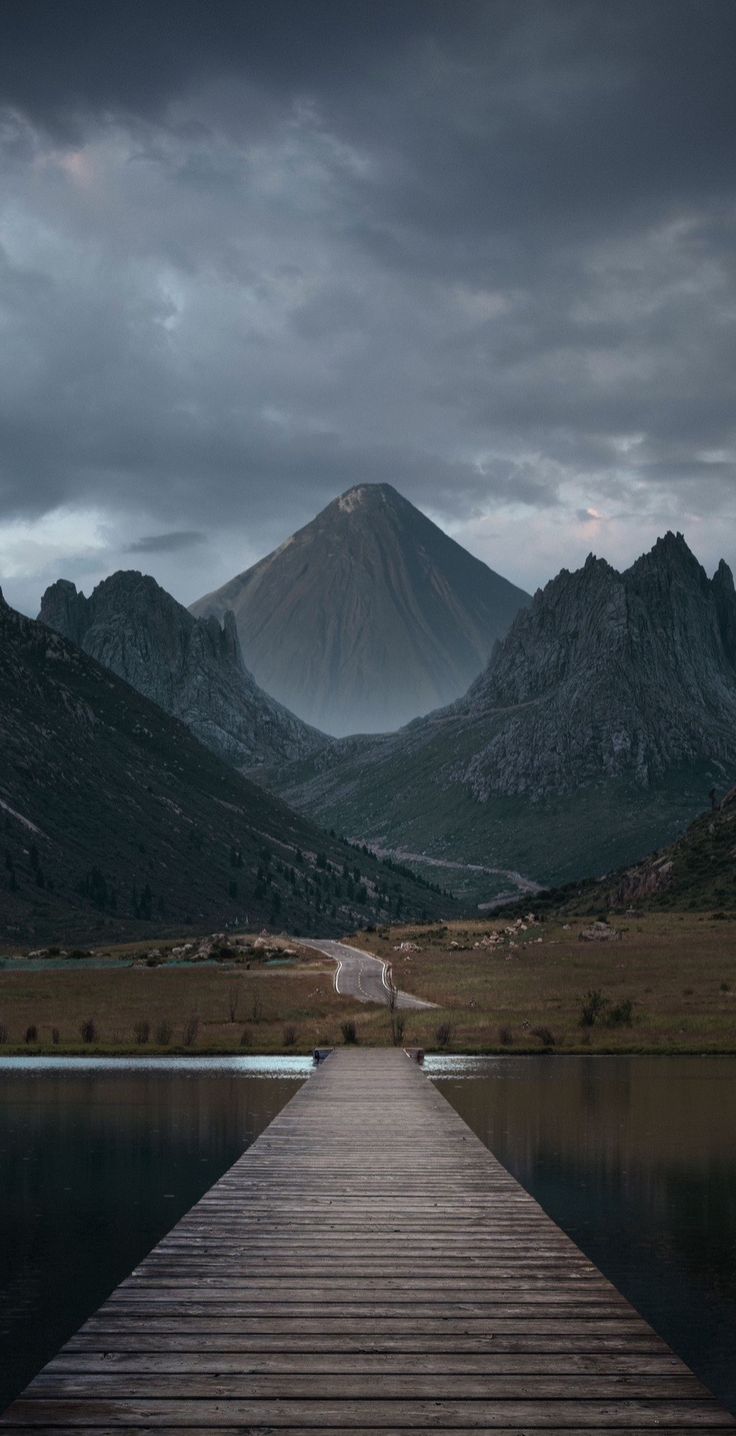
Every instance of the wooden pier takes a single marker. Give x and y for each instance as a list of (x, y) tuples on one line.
[(366, 1266)]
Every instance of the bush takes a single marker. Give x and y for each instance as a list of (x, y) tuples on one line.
[(290, 1036), (55, 1036), (245, 1038), (505, 1036), (142, 1032), (544, 1036), (622, 1015), (349, 1032), (31, 1033), (191, 1030), (443, 1034), (592, 1007), (164, 1033), (88, 1030), (398, 1028), (3, 1033)]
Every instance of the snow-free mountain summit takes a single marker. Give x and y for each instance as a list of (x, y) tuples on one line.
[(368, 616)]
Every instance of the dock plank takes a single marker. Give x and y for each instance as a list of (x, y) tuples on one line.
[(366, 1266)]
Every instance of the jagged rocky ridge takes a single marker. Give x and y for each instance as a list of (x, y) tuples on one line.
[(593, 735), (193, 668), (368, 616), (116, 821)]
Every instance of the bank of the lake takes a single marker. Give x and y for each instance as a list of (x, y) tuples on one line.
[(661, 983)]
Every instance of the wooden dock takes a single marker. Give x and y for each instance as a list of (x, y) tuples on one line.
[(366, 1266)]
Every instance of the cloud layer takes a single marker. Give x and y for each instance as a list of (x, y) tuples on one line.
[(483, 251)]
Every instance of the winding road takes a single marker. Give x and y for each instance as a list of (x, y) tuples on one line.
[(362, 976)]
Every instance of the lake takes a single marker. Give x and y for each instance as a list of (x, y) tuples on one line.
[(635, 1157), (97, 1161)]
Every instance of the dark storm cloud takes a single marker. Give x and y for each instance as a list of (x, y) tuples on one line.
[(251, 253), (166, 543)]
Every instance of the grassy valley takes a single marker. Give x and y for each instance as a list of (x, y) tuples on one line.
[(664, 982)]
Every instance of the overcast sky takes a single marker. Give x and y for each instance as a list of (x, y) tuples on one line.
[(255, 251)]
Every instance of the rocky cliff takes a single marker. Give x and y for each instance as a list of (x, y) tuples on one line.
[(193, 668), (593, 735), (368, 616)]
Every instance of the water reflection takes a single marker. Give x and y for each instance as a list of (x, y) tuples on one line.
[(97, 1160), (635, 1157)]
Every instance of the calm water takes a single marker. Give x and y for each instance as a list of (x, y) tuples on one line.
[(634, 1157), (96, 1163)]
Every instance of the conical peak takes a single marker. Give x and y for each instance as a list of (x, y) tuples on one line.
[(368, 497)]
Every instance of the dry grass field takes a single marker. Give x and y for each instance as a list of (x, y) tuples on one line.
[(666, 983)]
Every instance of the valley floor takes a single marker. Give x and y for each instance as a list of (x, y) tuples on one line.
[(666, 983)]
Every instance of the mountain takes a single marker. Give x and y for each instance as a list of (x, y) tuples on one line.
[(696, 872), (368, 616), (594, 734), (117, 822), (193, 668)]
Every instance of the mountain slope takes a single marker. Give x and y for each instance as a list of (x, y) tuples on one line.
[(115, 819), (697, 872), (594, 734), (193, 668), (368, 616)]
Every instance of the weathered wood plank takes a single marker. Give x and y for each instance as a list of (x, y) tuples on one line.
[(346, 1413)]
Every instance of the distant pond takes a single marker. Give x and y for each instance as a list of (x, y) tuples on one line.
[(635, 1157)]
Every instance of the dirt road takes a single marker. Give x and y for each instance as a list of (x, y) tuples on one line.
[(362, 976)]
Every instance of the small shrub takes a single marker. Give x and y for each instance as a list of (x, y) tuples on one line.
[(592, 1007), (31, 1033), (725, 987), (3, 1033), (256, 1007), (142, 1032), (245, 1038), (164, 1033), (191, 1030), (398, 1028), (544, 1036), (88, 1030), (55, 1036), (349, 1032), (290, 1036), (622, 1015), (233, 995), (505, 1036), (443, 1034)]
